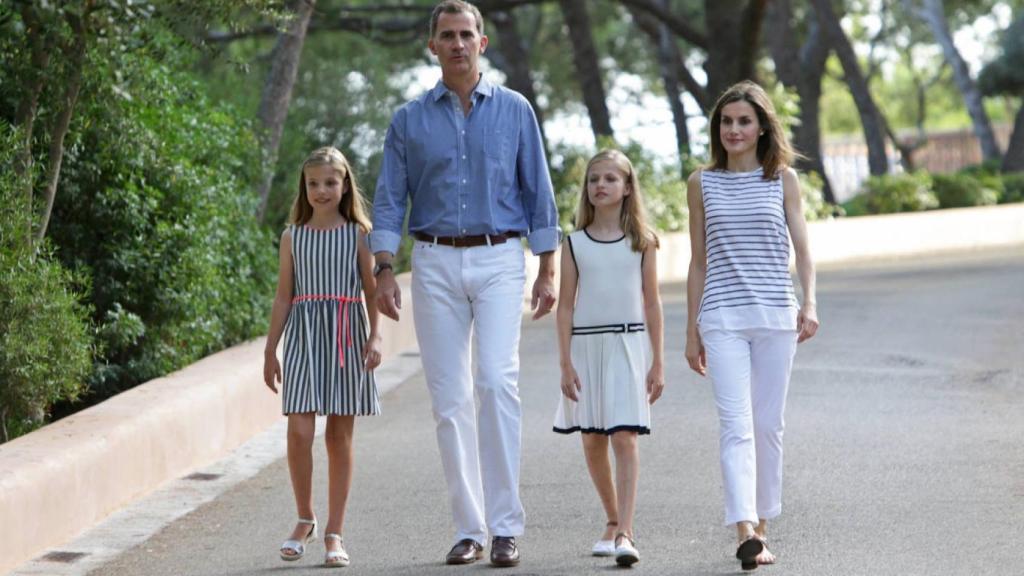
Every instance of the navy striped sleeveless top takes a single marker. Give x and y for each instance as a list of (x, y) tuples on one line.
[(748, 284)]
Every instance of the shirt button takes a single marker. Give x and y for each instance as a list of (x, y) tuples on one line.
[(463, 156), (463, 180), (463, 131), (463, 230), (463, 206)]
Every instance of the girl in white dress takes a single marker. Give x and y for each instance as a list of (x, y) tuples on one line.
[(611, 370)]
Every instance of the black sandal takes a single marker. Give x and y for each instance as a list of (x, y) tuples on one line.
[(747, 552)]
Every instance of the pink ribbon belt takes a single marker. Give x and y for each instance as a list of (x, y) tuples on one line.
[(343, 326)]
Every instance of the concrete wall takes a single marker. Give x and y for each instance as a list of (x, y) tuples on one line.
[(65, 477)]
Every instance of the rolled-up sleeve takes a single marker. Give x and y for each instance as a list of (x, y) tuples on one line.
[(392, 193), (535, 185)]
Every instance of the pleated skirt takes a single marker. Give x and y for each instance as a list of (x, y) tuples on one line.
[(612, 368)]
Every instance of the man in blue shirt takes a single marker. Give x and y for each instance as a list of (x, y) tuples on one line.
[(468, 155)]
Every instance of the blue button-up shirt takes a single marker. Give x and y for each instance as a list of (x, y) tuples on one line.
[(484, 173)]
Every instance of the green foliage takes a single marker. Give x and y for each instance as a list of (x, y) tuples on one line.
[(157, 209), (895, 193), (1013, 188), (812, 198), (962, 189), (1005, 74), (45, 342), (988, 175)]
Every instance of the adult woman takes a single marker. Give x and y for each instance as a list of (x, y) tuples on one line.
[(743, 319)]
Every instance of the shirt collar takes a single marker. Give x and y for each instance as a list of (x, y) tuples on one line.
[(483, 87)]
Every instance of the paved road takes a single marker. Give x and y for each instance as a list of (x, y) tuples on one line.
[(905, 453)]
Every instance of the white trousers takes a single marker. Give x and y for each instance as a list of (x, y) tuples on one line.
[(750, 370), (459, 294)]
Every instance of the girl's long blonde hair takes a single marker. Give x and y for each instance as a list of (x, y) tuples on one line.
[(633, 217), (774, 151), (352, 205)]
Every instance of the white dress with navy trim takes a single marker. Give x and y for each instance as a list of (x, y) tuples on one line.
[(610, 348)]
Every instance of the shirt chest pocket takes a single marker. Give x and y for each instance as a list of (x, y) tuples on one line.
[(496, 144)]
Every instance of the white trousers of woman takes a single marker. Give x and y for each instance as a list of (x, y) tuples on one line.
[(750, 370), (461, 294)]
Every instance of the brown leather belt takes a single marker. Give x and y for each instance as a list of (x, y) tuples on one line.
[(466, 241)]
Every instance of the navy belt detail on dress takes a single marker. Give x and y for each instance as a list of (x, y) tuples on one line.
[(609, 328)]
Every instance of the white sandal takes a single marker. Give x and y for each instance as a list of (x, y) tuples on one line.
[(336, 558), (298, 547)]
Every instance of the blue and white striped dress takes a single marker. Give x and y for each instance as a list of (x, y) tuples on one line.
[(327, 327), (748, 284)]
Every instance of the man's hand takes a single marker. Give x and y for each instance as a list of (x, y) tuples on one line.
[(389, 295), (543, 295)]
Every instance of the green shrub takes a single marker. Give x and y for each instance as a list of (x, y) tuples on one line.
[(898, 193), (988, 175), (157, 208), (1013, 188), (812, 197), (959, 190), (45, 340), (856, 206)]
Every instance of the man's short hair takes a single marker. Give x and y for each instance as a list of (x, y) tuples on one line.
[(455, 7)]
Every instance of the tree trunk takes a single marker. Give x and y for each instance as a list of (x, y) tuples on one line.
[(736, 26), (1013, 161), (934, 15), (874, 133), (515, 63), (76, 59), (670, 63), (4, 436), (277, 92), (588, 69), (801, 68), (29, 105)]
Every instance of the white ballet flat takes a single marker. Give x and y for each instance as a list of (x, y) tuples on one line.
[(298, 547), (626, 553), (603, 548), (336, 558)]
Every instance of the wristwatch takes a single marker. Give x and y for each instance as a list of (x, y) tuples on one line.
[(381, 267)]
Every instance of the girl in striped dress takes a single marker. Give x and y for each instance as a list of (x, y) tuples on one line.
[(330, 353), (743, 320), (610, 340)]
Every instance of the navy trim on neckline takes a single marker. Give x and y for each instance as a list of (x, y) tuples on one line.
[(620, 239)]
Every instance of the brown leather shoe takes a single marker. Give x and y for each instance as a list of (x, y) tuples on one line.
[(504, 552), (466, 551)]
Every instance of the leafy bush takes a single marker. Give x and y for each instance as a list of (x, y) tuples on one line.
[(988, 175), (45, 340), (1013, 188), (897, 193), (959, 190), (157, 208), (812, 197), (856, 206)]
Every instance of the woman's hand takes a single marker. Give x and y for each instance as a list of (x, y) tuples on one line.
[(807, 323), (372, 351), (655, 383), (570, 384), (695, 354), (271, 369)]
